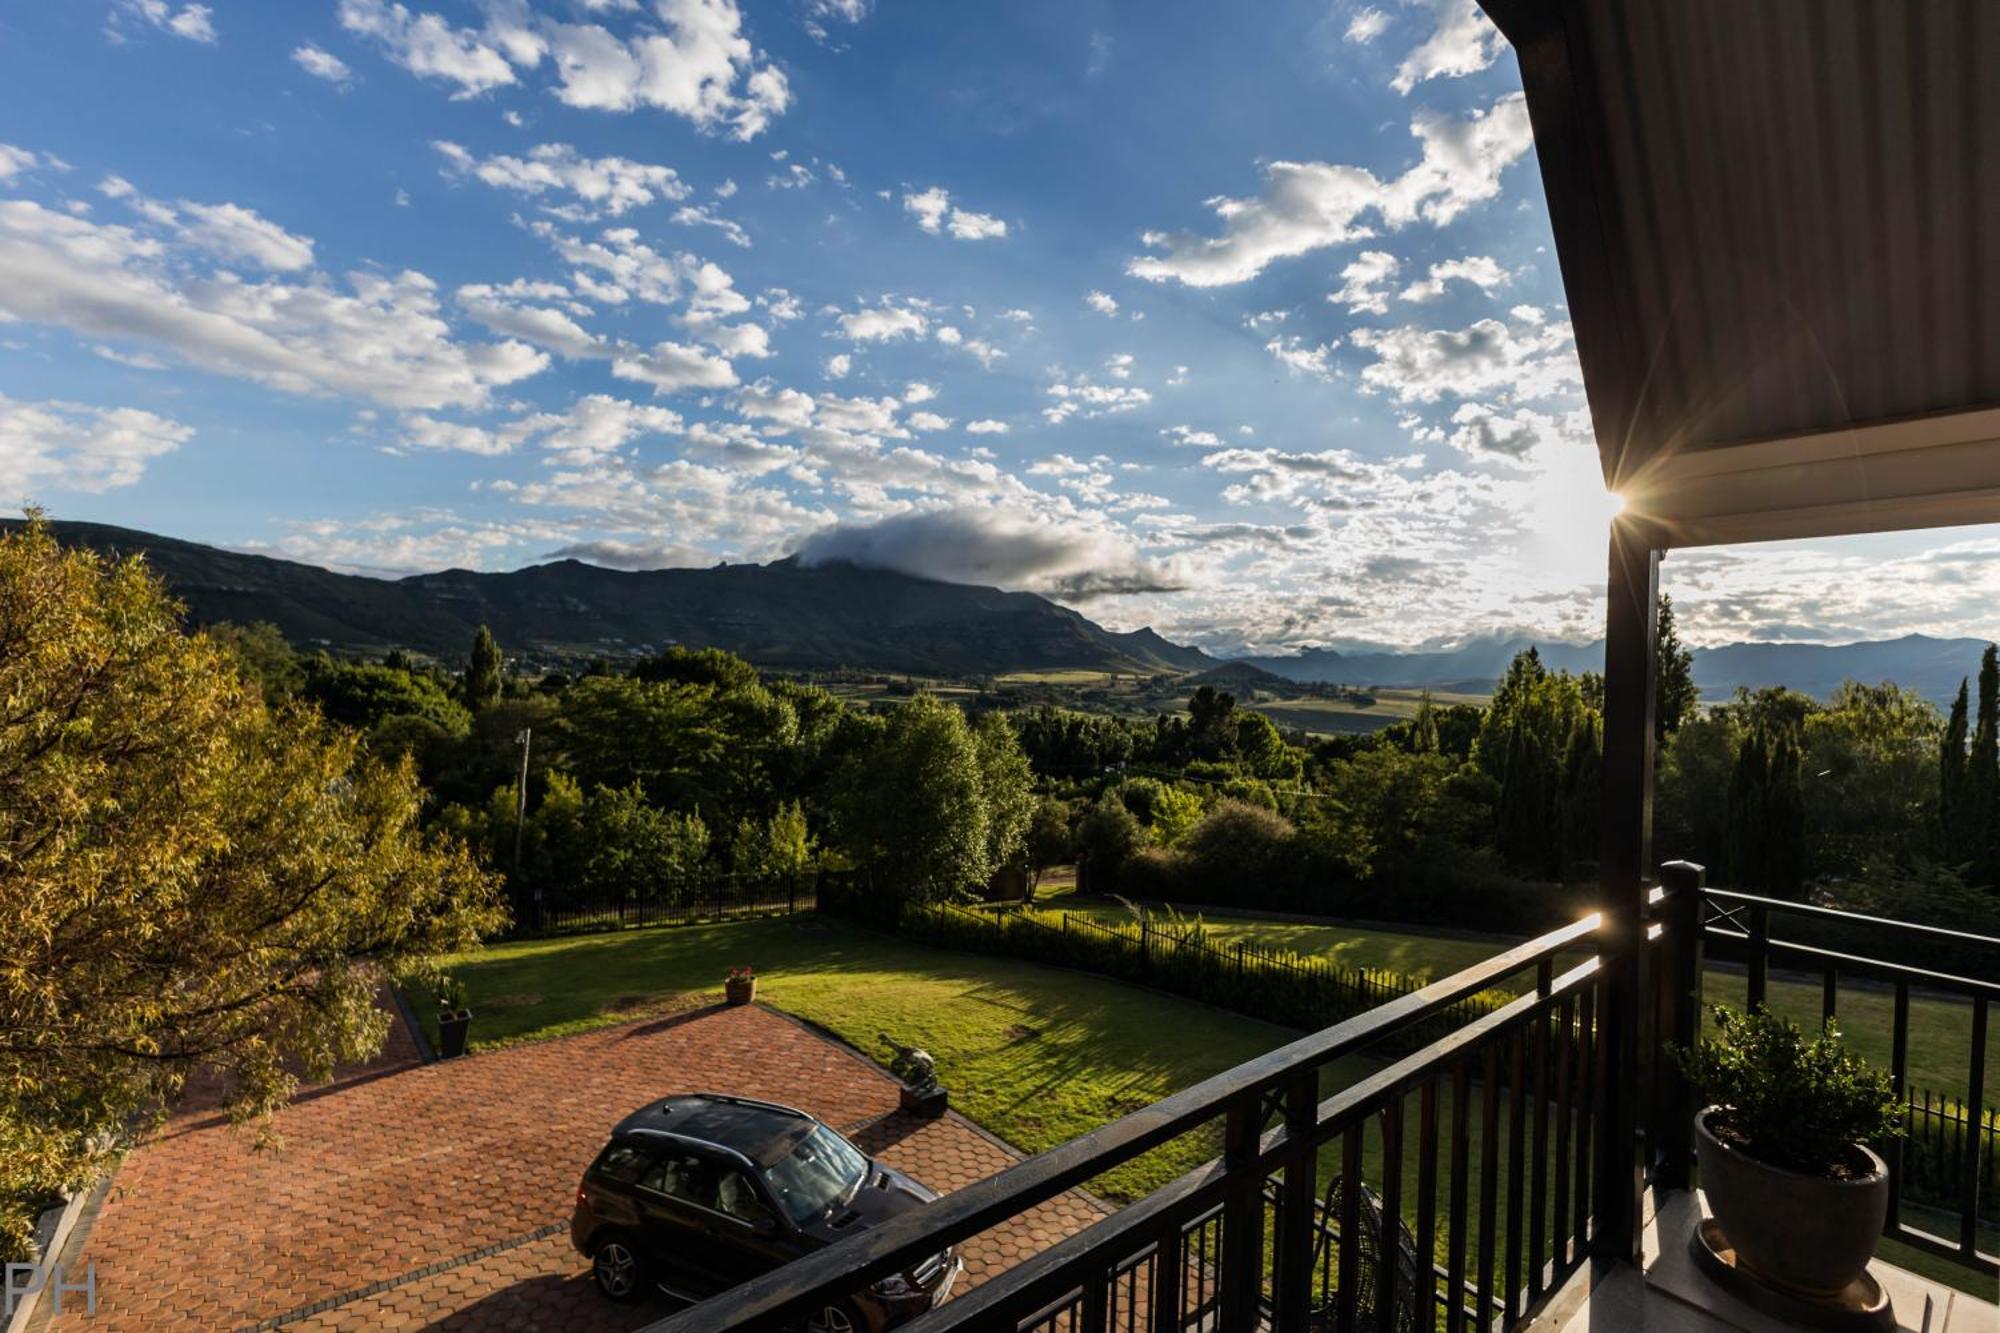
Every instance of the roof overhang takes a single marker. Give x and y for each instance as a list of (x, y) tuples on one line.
[(1779, 229)]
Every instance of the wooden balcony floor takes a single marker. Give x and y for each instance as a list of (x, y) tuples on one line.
[(1672, 1295)]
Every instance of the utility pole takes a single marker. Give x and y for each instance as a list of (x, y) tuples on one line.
[(525, 740)]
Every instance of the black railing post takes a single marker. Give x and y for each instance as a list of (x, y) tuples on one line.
[(1758, 954), (1680, 1020), (1298, 1204), (1625, 862), (1242, 1219)]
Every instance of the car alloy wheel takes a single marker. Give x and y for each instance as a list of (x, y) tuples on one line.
[(616, 1270), (832, 1319)]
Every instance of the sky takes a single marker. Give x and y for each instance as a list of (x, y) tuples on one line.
[(1250, 331)]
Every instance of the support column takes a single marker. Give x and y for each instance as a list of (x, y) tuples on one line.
[(1631, 601)]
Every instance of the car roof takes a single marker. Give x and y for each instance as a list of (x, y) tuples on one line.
[(764, 1132)]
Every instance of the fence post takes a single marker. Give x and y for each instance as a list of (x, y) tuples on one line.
[(1239, 960), (1679, 1021)]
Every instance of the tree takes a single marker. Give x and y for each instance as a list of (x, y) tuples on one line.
[(1981, 815), (1767, 816), (1049, 841), (1107, 836), (1872, 796), (911, 805), (1212, 723), (696, 666), (638, 850), (789, 849), (263, 656), (1952, 767), (363, 695), (1674, 694), (1006, 786), (192, 880), (481, 684)]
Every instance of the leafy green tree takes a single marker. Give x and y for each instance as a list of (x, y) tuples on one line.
[(790, 851), (911, 807), (1175, 811), (263, 656), (1767, 816), (638, 850), (697, 666), (1691, 819), (1107, 836), (1263, 751), (1872, 796), (1675, 697), (1049, 840), (481, 683), (1212, 723), (193, 881), (1238, 843), (362, 695), (1007, 788)]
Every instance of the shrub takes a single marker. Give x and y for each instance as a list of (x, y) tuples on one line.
[(1790, 1100)]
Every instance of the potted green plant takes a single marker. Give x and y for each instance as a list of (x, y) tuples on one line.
[(454, 1019), (1783, 1148), (741, 985)]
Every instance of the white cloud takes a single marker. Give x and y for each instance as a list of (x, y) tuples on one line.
[(1366, 25), (697, 63), (1080, 397), (1486, 358), (1361, 288), (837, 366), (58, 445), (1119, 365), (1479, 270), (986, 426), (916, 391), (701, 215), (1307, 206), (1297, 355), (928, 421), (1102, 302), (883, 323), (1523, 436), (615, 554), (1191, 438), (510, 310), (672, 367), (1463, 42), (701, 67), (383, 338), (194, 22), (935, 212), (14, 161), (230, 231), (429, 47), (322, 64), (608, 185)]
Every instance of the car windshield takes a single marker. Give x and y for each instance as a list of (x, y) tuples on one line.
[(822, 1171)]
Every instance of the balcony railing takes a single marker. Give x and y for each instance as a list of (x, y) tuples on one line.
[(1469, 1174)]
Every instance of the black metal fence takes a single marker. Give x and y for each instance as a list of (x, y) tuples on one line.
[(1940, 1133), (717, 898)]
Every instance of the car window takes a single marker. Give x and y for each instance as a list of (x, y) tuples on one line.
[(822, 1171), (624, 1163), (683, 1176), (736, 1197)]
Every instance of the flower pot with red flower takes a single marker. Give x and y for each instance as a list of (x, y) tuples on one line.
[(741, 986)]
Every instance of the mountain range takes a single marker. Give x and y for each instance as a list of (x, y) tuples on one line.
[(794, 616), (785, 615)]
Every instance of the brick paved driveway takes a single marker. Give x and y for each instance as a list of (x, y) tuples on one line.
[(410, 1195)]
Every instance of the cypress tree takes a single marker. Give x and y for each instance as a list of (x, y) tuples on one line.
[(1982, 777), (1951, 784), (1746, 814), (1784, 822), (1674, 692), (482, 671)]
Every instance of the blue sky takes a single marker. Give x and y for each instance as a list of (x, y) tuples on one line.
[(1248, 330)]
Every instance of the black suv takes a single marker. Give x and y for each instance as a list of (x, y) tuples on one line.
[(695, 1194)]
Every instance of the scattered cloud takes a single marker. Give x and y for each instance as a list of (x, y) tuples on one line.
[(1007, 548), (1080, 397), (1102, 302), (986, 426), (1479, 270), (322, 64), (610, 186), (56, 445), (1463, 42), (1308, 206), (1418, 365), (1366, 25), (935, 212), (1361, 289), (883, 323), (1301, 357), (196, 23)]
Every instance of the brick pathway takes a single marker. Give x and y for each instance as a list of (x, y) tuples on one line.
[(432, 1184)]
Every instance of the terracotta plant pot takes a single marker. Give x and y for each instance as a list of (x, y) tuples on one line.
[(740, 991), (1812, 1235)]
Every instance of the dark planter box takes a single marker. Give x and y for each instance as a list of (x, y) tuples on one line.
[(452, 1031), (925, 1105), (740, 992)]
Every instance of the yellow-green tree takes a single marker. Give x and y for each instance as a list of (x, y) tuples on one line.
[(191, 879)]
